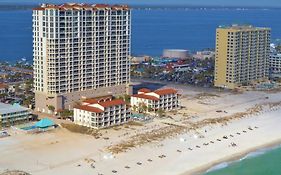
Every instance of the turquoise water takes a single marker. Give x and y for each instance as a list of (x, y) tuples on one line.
[(28, 128), (259, 163)]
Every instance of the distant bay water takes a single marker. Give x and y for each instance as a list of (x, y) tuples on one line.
[(152, 30)]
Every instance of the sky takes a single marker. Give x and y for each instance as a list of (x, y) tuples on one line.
[(260, 3)]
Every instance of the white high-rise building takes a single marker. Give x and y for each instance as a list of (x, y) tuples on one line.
[(80, 51)]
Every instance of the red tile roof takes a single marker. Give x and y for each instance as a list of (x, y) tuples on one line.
[(149, 97), (166, 91), (108, 97), (144, 90), (101, 5), (39, 8), (104, 104), (89, 108), (112, 103), (77, 6), (98, 99), (3, 86), (90, 101)]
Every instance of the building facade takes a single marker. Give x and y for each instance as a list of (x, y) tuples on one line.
[(275, 63), (3, 88), (203, 55), (165, 99), (80, 51), (242, 54), (101, 113), (13, 114)]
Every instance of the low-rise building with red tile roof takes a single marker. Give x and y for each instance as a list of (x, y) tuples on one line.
[(165, 99), (143, 90), (3, 88), (101, 112)]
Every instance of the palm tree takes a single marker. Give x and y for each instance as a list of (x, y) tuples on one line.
[(51, 108), (66, 113), (134, 108), (127, 98), (149, 108), (145, 108), (142, 107), (160, 112)]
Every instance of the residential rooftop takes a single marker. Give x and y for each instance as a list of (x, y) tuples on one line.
[(144, 90), (148, 94), (3, 86), (165, 91), (110, 103), (7, 108), (149, 97), (104, 102), (89, 108)]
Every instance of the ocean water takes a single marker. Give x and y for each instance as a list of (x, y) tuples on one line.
[(152, 30), (262, 162)]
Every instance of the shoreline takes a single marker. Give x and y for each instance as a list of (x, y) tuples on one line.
[(207, 147), (229, 159)]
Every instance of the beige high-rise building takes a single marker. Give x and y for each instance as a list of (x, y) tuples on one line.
[(242, 54), (80, 51)]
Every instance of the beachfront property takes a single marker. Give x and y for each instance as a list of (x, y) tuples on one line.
[(275, 63), (101, 112), (165, 99), (80, 51), (242, 54), (3, 88), (13, 114)]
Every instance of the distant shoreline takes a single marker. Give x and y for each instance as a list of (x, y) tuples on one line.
[(235, 157)]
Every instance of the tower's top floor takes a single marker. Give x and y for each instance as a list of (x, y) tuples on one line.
[(82, 6), (236, 27)]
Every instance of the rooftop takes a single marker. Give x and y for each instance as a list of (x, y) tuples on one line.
[(89, 108), (82, 6), (7, 108), (2, 86), (241, 27), (145, 90), (146, 93), (165, 91), (112, 103), (91, 101), (149, 97), (105, 104)]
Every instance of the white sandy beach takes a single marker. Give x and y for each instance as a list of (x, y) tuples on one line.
[(62, 152)]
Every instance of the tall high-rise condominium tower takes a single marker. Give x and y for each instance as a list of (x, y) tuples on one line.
[(80, 51), (242, 54)]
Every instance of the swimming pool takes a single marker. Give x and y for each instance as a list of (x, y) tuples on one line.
[(29, 128)]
